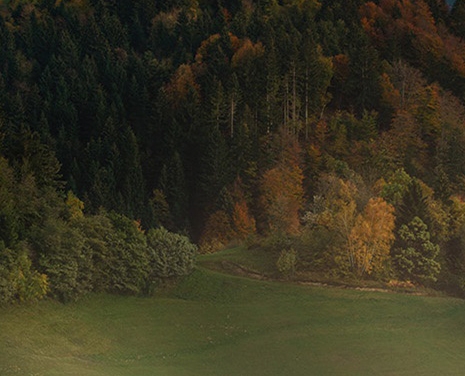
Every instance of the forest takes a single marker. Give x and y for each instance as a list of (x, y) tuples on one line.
[(135, 134)]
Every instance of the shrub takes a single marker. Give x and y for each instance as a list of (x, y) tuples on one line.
[(278, 241), (217, 233), (97, 231), (30, 284), (287, 262), (64, 259), (18, 280), (171, 255), (416, 258), (212, 246), (128, 260)]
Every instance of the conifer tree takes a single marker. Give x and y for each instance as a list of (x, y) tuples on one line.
[(173, 184), (457, 18), (413, 205)]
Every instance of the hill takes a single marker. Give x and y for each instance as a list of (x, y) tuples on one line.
[(330, 131)]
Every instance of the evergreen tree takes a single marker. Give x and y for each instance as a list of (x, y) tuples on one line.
[(217, 167), (173, 184), (413, 205), (457, 18), (363, 80)]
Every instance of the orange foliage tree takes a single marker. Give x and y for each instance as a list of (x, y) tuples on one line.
[(218, 232), (407, 25), (232, 222), (402, 145), (282, 197), (182, 86), (371, 237), (243, 222)]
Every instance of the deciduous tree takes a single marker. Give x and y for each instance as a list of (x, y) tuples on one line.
[(417, 257), (282, 197), (371, 238)]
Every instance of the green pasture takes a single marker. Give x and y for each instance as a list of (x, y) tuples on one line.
[(219, 325)]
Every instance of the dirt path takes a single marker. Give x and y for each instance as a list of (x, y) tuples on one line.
[(242, 271)]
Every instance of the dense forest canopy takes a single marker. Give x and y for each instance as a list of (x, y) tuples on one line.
[(339, 125)]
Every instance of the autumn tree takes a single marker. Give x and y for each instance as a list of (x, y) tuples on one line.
[(408, 29), (371, 238), (230, 218), (217, 232), (331, 218), (19, 281), (242, 220), (282, 196), (74, 205), (402, 146)]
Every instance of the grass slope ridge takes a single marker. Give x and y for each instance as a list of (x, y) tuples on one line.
[(213, 324)]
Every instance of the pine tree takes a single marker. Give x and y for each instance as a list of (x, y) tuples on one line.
[(457, 18), (413, 205), (172, 183)]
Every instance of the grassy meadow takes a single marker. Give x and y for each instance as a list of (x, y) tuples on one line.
[(214, 324)]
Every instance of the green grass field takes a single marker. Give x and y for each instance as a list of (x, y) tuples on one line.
[(213, 324)]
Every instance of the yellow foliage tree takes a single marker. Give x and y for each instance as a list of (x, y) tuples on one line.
[(75, 206), (457, 214), (339, 208), (371, 237)]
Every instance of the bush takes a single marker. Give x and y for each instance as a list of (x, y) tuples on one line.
[(316, 249), (212, 246), (105, 252), (171, 255), (64, 259), (30, 284), (128, 260), (18, 280), (287, 262), (278, 241), (416, 258), (97, 231)]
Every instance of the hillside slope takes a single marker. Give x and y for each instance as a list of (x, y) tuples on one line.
[(215, 324), (334, 130)]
